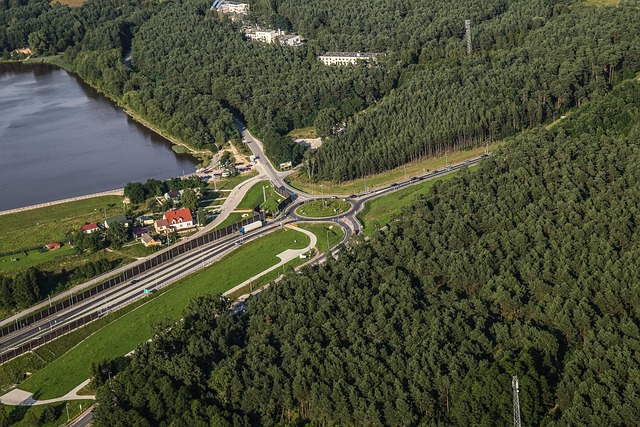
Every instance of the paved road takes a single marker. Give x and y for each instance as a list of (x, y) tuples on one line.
[(84, 419), (263, 164)]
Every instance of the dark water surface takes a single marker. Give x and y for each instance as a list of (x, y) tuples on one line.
[(59, 138)]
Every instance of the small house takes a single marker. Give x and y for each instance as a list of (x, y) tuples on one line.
[(162, 226), (148, 240), (179, 219), (146, 220), (173, 195), (90, 228), (52, 246), (121, 219)]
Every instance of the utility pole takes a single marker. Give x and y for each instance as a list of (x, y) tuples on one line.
[(516, 402), (327, 240)]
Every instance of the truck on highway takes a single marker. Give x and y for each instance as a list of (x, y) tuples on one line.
[(250, 227)]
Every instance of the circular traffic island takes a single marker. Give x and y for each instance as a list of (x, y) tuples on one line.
[(323, 208)]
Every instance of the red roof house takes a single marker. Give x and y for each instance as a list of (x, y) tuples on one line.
[(54, 245), (90, 228), (179, 219)]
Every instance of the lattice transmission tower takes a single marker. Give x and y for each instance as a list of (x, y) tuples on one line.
[(516, 402), (467, 27)]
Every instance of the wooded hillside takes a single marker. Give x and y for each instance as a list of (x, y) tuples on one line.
[(191, 69), (527, 266)]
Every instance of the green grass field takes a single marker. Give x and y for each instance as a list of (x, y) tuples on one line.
[(232, 182), (323, 209), (38, 227), (135, 327), (255, 197), (231, 219), (308, 132), (328, 234), (301, 181), (378, 212), (33, 258)]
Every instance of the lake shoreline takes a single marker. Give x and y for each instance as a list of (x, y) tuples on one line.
[(99, 180), (201, 155), (117, 192)]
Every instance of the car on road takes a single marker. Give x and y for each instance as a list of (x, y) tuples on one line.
[(134, 281)]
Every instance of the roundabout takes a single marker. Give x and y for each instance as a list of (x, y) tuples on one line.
[(324, 208)]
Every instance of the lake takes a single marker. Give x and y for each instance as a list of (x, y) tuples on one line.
[(59, 138)]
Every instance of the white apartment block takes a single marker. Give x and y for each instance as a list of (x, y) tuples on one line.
[(273, 36), (226, 6), (264, 36), (347, 58)]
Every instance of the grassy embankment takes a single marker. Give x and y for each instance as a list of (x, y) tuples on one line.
[(378, 212), (323, 208), (301, 182), (28, 416), (133, 328)]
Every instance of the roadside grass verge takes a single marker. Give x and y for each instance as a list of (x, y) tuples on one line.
[(323, 208), (378, 212), (327, 233), (136, 250), (231, 182), (301, 182), (48, 224), (28, 416), (231, 219), (256, 197), (135, 327)]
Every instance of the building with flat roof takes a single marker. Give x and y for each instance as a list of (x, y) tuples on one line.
[(272, 36), (264, 36), (226, 6), (347, 58)]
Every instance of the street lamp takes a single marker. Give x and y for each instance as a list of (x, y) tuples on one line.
[(327, 240)]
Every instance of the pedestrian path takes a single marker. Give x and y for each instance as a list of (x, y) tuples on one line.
[(17, 397), (232, 201), (285, 257)]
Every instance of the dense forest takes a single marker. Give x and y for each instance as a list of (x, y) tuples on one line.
[(191, 69), (527, 266)]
